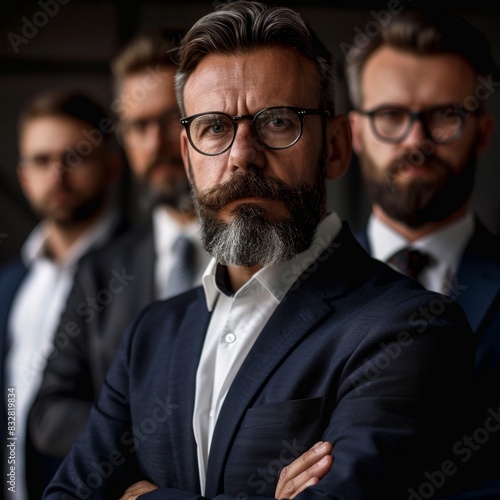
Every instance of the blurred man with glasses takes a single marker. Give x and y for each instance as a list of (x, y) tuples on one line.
[(420, 92), (68, 167), (160, 257)]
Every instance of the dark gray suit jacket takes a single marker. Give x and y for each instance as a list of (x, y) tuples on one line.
[(40, 467), (110, 288)]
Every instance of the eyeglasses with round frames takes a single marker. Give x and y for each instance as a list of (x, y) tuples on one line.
[(444, 124), (277, 127)]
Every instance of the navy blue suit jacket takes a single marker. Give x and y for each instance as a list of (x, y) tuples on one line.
[(476, 288), (341, 359)]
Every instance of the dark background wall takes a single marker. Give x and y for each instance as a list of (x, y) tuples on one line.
[(69, 44)]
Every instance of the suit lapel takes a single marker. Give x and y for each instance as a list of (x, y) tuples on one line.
[(10, 280), (9, 283), (305, 306), (181, 392), (481, 280)]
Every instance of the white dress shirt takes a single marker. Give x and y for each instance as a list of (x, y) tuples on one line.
[(236, 322), (166, 230), (33, 319), (445, 246)]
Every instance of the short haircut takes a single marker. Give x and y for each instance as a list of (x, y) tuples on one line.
[(146, 50), (244, 26), (421, 32), (65, 104)]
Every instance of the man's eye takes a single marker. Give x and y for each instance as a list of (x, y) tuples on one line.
[(138, 126), (207, 127), (40, 162)]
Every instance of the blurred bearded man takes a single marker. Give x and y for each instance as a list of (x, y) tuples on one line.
[(160, 258), (419, 123), (67, 169)]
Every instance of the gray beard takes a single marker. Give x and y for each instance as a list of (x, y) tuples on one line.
[(250, 238)]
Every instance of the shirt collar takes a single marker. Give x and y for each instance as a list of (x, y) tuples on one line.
[(34, 246), (279, 278), (166, 230), (447, 243)]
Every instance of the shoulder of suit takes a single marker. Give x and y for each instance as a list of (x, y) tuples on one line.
[(120, 248)]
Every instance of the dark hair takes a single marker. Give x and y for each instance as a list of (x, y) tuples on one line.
[(67, 104), (244, 26), (421, 32), (146, 50)]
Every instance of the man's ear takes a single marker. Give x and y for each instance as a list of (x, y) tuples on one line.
[(185, 153), (21, 177), (354, 120), (338, 147), (485, 128)]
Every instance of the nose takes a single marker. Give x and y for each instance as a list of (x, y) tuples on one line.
[(153, 139), (416, 134), (245, 150), (56, 171)]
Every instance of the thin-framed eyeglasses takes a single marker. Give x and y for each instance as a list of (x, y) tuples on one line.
[(444, 124), (69, 161), (277, 127)]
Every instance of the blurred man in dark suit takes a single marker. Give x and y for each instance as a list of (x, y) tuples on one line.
[(420, 93), (67, 169), (158, 259)]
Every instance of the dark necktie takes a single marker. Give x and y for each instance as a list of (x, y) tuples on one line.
[(182, 272), (410, 262)]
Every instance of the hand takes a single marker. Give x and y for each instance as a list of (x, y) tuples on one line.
[(137, 489), (305, 471)]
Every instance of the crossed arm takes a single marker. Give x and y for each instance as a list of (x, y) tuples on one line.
[(304, 471)]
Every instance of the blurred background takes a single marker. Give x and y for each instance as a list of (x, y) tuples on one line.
[(69, 44)]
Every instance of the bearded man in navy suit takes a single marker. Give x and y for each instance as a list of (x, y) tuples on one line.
[(420, 91), (296, 335)]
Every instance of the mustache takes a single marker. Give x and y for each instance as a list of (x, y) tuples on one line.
[(161, 160), (408, 160), (244, 185)]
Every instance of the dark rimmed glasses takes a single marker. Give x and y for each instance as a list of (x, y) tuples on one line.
[(444, 124), (277, 127)]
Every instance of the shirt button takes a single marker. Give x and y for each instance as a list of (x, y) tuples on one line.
[(230, 338)]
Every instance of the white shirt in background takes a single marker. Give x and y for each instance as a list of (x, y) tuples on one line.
[(33, 319), (166, 230), (445, 246)]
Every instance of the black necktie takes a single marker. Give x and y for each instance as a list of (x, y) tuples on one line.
[(182, 273), (410, 262)]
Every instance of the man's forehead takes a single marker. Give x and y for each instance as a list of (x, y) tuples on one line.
[(271, 75), (147, 94)]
